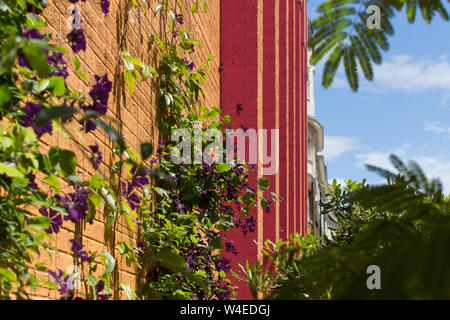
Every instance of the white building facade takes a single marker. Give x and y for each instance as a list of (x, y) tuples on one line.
[(317, 171)]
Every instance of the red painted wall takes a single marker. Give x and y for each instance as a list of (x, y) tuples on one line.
[(282, 51)]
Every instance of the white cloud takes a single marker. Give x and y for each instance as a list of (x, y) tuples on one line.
[(404, 73), (413, 74), (336, 145), (446, 101), (436, 127)]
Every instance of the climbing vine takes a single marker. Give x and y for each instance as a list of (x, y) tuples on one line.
[(180, 211)]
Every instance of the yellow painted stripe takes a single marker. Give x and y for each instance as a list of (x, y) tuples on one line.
[(260, 120), (286, 196), (277, 115), (295, 125)]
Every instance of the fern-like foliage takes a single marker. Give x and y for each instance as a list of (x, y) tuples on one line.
[(340, 34)]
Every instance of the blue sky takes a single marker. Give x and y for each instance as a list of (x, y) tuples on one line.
[(405, 110)]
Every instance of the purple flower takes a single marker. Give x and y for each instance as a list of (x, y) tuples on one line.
[(59, 64), (31, 111), (223, 264), (32, 9), (77, 249), (239, 109), (89, 125), (96, 157), (134, 201), (251, 224), (142, 246), (75, 1), (231, 248), (175, 33), (139, 178), (179, 18), (56, 220), (132, 198), (180, 206), (105, 6), (77, 40), (174, 178), (32, 181), (75, 203), (99, 93), (100, 286), (189, 65), (64, 282)]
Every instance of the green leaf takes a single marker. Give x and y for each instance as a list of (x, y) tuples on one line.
[(112, 133), (10, 171), (43, 84), (195, 7), (146, 150), (5, 94), (66, 159), (51, 113), (169, 259), (76, 63), (39, 223), (58, 85), (128, 291), (51, 285), (216, 243), (37, 60), (126, 209), (158, 8), (127, 61), (96, 181), (223, 167), (263, 184), (129, 80), (8, 274), (92, 280), (350, 67), (108, 261), (81, 75), (264, 203), (91, 211), (53, 181)]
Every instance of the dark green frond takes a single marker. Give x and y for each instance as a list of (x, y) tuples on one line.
[(331, 66), (439, 8), (344, 22), (332, 4), (329, 31), (350, 67), (382, 172), (363, 57), (320, 51), (411, 6), (333, 15), (425, 7), (369, 43), (399, 165)]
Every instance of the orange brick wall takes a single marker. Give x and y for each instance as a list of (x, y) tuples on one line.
[(138, 113)]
